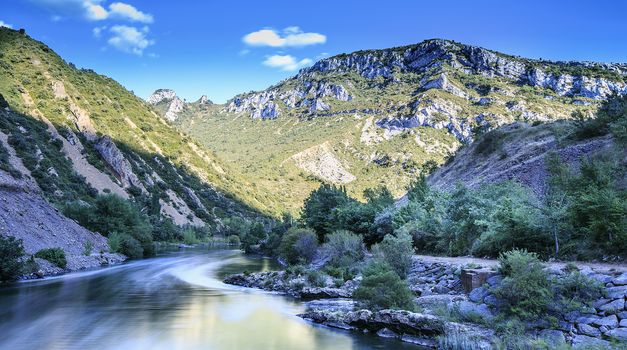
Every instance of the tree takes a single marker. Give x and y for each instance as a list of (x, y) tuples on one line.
[(319, 210), (299, 245), (11, 250), (382, 288), (396, 251)]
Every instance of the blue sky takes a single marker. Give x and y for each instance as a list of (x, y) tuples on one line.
[(224, 48)]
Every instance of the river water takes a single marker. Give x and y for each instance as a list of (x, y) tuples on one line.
[(173, 301)]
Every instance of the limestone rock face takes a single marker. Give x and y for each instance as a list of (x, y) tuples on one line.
[(116, 160), (161, 95)]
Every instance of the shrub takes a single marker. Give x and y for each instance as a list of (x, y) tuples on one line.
[(576, 290), (189, 237), (233, 239), (54, 255), (382, 288), (298, 245), (397, 251), (526, 288), (115, 242), (88, 247), (111, 213), (344, 248), (11, 250), (316, 278), (131, 247)]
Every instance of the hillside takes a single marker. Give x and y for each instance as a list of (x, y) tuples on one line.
[(114, 139), (381, 117), (70, 137)]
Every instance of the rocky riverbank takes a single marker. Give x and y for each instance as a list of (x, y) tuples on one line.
[(452, 301)]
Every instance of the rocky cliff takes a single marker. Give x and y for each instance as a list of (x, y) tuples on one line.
[(380, 117), (167, 103)]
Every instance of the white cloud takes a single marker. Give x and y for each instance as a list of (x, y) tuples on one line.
[(4, 24), (286, 62), (98, 31), (130, 39), (291, 36), (94, 10), (128, 12)]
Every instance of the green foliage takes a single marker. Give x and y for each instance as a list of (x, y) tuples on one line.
[(526, 288), (594, 206), (233, 240), (256, 233), (111, 213), (88, 247), (298, 246), (189, 237), (115, 242), (396, 251), (610, 118), (577, 290), (382, 288), (54, 255), (316, 278), (11, 250), (344, 248), (319, 209)]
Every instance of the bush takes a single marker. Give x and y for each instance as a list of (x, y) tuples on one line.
[(316, 278), (189, 237), (233, 239), (397, 251), (298, 245), (577, 290), (11, 250), (111, 213), (54, 255), (115, 242), (88, 247), (526, 288), (131, 247), (344, 248), (382, 288)]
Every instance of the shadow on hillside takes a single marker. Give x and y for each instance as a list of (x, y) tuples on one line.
[(42, 154)]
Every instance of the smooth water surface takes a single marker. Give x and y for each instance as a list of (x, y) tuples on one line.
[(175, 301)]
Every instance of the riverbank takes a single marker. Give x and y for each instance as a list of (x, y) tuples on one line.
[(454, 305)]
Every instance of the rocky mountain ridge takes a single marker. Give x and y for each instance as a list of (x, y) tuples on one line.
[(171, 106), (381, 117)]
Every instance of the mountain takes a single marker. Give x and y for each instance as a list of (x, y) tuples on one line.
[(69, 135), (168, 104), (379, 117)]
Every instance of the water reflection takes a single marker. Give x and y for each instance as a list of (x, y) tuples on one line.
[(172, 302)]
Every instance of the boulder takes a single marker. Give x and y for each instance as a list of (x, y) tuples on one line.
[(623, 323), (585, 342), (588, 330), (622, 315), (619, 334), (494, 280), (616, 292), (554, 338), (475, 278), (472, 311), (608, 321), (613, 306), (620, 280), (478, 294)]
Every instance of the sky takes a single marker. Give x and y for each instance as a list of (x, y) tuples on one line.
[(221, 49)]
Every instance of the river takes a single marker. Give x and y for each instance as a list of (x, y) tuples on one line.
[(173, 301)]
